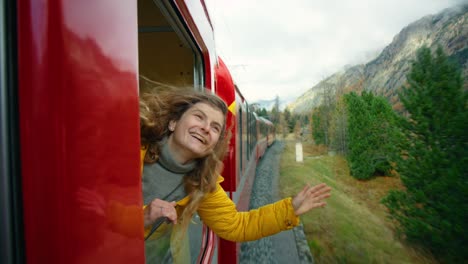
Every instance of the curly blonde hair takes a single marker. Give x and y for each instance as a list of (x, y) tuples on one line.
[(156, 111)]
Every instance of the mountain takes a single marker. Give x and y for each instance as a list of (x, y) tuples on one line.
[(269, 104), (387, 72)]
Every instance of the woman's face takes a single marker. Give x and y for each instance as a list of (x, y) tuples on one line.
[(196, 133)]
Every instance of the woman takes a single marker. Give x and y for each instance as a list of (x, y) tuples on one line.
[(184, 141)]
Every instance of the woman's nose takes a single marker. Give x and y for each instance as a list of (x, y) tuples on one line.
[(206, 127)]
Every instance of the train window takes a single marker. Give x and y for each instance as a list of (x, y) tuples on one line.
[(169, 56), (167, 53)]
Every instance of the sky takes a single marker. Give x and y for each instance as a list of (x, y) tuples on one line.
[(283, 48)]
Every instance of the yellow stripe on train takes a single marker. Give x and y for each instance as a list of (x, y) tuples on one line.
[(232, 108)]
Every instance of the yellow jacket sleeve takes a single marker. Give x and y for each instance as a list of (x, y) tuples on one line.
[(219, 213)]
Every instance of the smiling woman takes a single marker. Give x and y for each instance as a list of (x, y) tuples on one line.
[(196, 132), (184, 127), (184, 142)]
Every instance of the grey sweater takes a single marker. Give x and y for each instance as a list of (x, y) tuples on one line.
[(164, 178)]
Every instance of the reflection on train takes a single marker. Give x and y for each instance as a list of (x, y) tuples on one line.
[(71, 73)]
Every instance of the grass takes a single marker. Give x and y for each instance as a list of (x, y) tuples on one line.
[(353, 227)]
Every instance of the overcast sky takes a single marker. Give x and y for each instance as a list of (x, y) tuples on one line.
[(279, 47)]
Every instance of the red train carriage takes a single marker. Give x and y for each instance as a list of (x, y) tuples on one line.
[(267, 129), (71, 73), (245, 149), (265, 134)]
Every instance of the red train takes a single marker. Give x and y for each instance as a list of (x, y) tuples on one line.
[(71, 74)]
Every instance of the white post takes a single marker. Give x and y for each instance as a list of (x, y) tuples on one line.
[(299, 152)]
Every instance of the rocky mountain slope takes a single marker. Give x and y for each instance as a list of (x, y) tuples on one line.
[(387, 72)]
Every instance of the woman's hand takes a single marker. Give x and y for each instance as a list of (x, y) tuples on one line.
[(92, 201), (310, 198), (159, 208)]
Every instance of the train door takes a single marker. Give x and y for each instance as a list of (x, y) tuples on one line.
[(70, 131)]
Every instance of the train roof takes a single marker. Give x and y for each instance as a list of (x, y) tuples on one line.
[(263, 119)]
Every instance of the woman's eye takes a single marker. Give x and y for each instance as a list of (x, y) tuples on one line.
[(199, 117), (216, 129)]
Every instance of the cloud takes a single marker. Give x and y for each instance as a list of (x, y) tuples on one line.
[(285, 47)]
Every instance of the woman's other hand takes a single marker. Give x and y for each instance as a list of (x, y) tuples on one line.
[(310, 198), (159, 208)]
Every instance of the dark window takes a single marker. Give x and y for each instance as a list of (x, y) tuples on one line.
[(11, 229)]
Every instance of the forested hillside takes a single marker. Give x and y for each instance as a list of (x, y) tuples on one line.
[(387, 72)]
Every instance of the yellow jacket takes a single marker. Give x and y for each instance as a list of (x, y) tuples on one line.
[(219, 213)]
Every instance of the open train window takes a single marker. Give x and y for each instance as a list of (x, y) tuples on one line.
[(167, 53)]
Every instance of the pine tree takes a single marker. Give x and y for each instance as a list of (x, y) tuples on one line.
[(339, 128), (433, 165), (275, 113), (318, 133), (371, 135)]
